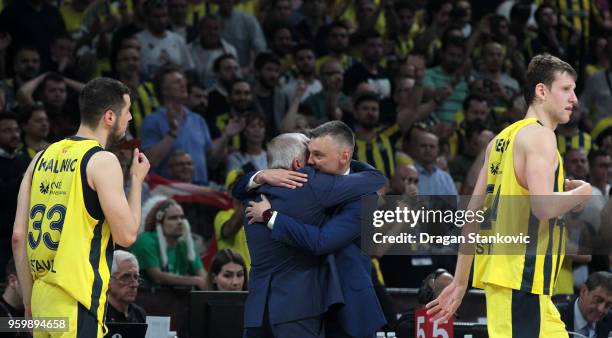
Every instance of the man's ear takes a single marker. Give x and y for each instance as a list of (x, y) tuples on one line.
[(345, 156), (540, 90), (109, 117), (296, 164)]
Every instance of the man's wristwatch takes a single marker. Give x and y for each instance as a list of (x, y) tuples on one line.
[(267, 215)]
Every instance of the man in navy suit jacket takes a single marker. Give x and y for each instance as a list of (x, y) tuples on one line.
[(289, 289), (589, 313), (331, 148)]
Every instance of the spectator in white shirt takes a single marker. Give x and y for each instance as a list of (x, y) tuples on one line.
[(159, 45), (208, 47)]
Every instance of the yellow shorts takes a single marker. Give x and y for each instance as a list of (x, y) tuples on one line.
[(517, 314), (51, 302)]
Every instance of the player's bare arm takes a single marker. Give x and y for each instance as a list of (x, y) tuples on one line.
[(536, 161), (105, 177), (20, 233), (449, 300)]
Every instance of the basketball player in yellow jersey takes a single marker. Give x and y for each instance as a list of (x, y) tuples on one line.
[(518, 288), (71, 208)]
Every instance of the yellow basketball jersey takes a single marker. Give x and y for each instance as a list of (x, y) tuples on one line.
[(531, 267), (69, 241)]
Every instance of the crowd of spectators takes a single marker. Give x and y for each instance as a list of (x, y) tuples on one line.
[(424, 84)]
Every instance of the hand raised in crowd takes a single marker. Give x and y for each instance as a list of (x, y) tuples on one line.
[(254, 212), (498, 91), (174, 124), (300, 89), (140, 165), (484, 25), (234, 127), (442, 93), (104, 25), (281, 178)]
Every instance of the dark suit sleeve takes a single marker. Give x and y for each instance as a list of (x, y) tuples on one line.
[(240, 191), (338, 232), (332, 190)]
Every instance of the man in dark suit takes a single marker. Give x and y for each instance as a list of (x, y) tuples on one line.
[(331, 148), (289, 289), (589, 313)]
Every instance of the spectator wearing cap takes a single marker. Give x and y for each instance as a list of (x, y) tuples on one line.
[(242, 31), (123, 289), (159, 45), (208, 47), (165, 250)]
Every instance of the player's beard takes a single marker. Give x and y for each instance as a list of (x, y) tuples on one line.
[(115, 135)]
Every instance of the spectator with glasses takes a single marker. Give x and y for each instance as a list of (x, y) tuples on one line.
[(123, 289)]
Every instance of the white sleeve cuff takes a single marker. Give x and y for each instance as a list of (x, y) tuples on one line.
[(252, 185), (270, 224)]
